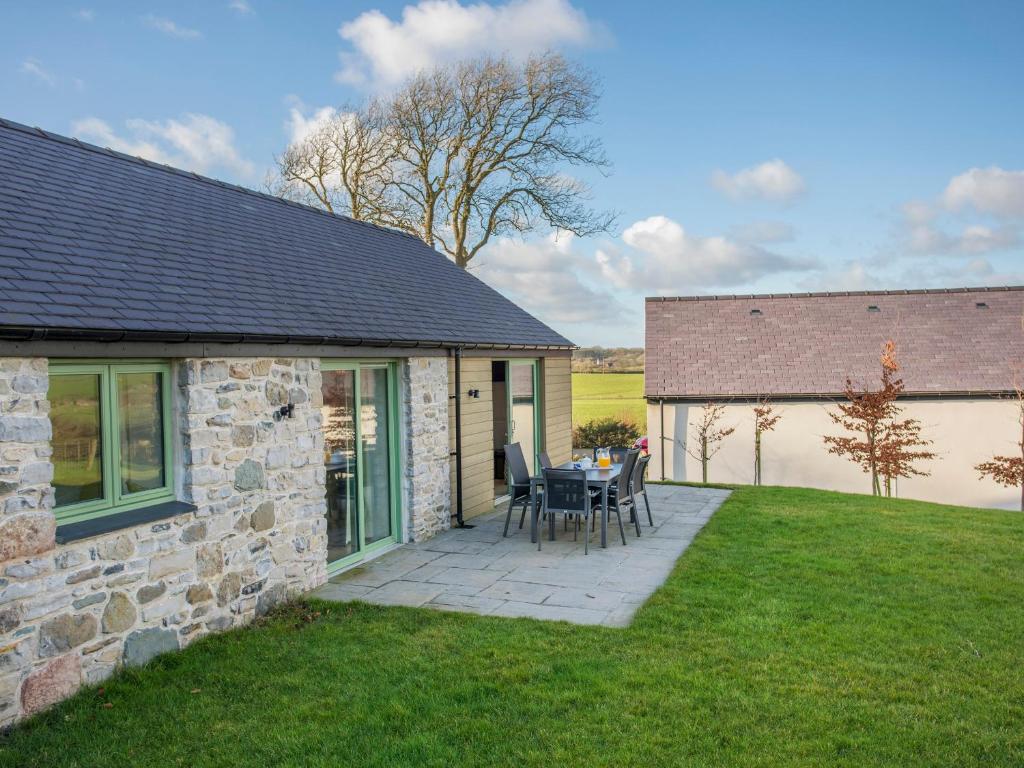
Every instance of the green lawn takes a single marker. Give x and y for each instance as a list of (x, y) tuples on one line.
[(801, 628), (609, 395)]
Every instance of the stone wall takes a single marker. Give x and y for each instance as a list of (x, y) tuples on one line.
[(72, 614), (427, 482)]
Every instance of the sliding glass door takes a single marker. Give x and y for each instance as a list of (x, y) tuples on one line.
[(360, 456)]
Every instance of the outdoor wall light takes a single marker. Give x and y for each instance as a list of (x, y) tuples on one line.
[(474, 393), (285, 412)]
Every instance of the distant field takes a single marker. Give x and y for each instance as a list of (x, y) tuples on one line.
[(608, 395)]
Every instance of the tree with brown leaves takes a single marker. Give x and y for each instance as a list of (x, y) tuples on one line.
[(708, 436), (902, 445), (1009, 470), (885, 446), (765, 420)]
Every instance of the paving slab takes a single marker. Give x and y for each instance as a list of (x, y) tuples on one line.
[(476, 570)]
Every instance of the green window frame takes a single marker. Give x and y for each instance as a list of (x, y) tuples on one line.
[(538, 403), (394, 457), (113, 500)]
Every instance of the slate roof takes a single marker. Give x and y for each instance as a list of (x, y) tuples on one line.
[(94, 240), (807, 344)]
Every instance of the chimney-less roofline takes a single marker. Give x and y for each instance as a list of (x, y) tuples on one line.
[(827, 294), (113, 336)]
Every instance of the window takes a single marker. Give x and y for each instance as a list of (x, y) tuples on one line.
[(111, 437)]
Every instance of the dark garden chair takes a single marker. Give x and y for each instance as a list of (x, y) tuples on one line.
[(566, 493), (622, 492), (519, 483), (640, 486), (544, 460)]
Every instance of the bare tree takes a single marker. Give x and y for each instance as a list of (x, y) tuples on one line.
[(765, 420), (1009, 470), (345, 166), (884, 446), (707, 436), (462, 154)]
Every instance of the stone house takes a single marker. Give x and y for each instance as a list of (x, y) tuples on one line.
[(211, 399), (961, 352)]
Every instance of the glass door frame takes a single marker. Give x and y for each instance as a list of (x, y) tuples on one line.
[(394, 458), (538, 421)]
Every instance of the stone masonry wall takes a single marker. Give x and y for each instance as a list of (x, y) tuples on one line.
[(72, 614), (427, 464)]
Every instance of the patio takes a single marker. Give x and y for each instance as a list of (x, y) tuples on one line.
[(476, 570)]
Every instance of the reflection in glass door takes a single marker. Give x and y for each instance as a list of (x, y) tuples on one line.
[(376, 453), (359, 456), (522, 398), (339, 427)]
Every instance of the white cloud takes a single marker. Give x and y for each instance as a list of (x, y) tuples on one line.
[(85, 14), (849, 276), (922, 234), (241, 7), (988, 190), (383, 51), (302, 123), (196, 142), (910, 273), (764, 232), (772, 180), (170, 28), (35, 69), (545, 278), (665, 259)]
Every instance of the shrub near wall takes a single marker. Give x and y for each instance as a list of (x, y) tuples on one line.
[(602, 433)]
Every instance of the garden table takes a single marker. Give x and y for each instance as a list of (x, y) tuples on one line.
[(597, 477)]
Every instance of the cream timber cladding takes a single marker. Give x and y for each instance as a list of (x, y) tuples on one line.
[(477, 435), (72, 613), (555, 402), (556, 374)]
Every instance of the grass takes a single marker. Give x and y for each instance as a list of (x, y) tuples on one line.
[(801, 628), (609, 395)]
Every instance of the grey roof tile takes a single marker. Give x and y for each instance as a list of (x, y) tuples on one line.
[(117, 242), (808, 344)]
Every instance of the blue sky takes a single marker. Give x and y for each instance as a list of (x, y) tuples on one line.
[(757, 147)]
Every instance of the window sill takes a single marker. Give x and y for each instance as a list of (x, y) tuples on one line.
[(117, 521)]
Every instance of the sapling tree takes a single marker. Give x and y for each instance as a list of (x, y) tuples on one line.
[(1009, 470), (765, 419), (884, 445), (706, 437)]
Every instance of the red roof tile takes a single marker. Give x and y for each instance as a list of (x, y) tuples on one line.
[(948, 341)]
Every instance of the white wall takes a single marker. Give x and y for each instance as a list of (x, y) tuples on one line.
[(964, 433)]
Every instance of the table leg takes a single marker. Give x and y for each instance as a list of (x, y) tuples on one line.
[(551, 527), (604, 515), (533, 514)]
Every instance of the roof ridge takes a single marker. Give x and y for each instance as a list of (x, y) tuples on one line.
[(138, 160), (826, 294)]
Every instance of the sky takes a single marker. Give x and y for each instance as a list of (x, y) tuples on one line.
[(756, 147)]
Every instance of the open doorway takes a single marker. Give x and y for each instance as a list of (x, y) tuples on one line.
[(499, 394), (514, 387)]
